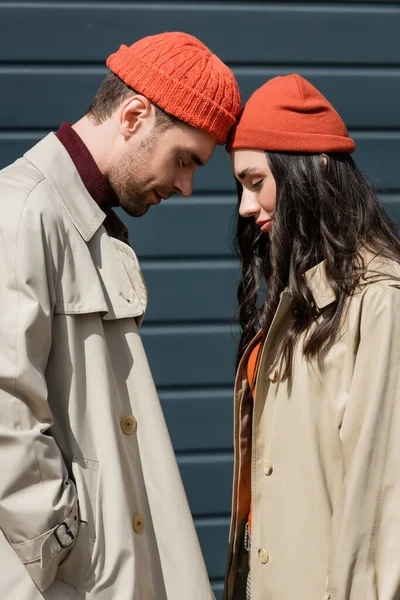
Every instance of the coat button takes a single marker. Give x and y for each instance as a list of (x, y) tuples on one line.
[(274, 375), (267, 467), (138, 524), (128, 424), (263, 556)]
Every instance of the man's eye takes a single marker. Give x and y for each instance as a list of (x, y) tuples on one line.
[(181, 163)]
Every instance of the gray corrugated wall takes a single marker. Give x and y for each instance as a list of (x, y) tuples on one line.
[(51, 62)]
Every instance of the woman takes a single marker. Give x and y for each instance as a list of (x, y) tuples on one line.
[(316, 495)]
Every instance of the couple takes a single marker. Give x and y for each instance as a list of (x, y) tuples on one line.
[(91, 501)]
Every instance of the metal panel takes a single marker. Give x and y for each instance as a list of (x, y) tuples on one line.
[(213, 535), (200, 226), (198, 355), (192, 290), (268, 32), (376, 153), (52, 57), (208, 481), (199, 420), (212, 237), (218, 588), (366, 98)]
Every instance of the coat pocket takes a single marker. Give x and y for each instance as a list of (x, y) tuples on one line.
[(77, 568)]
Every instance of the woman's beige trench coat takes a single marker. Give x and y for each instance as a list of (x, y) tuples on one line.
[(91, 501), (321, 460)]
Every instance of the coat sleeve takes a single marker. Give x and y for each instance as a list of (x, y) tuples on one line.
[(365, 552), (38, 505)]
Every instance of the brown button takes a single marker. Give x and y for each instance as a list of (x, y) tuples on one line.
[(128, 424), (139, 524), (263, 556), (274, 375), (267, 467)]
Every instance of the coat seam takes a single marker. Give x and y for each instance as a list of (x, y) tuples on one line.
[(17, 322), (378, 501), (96, 219)]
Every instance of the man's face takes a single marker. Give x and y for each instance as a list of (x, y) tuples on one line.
[(147, 171)]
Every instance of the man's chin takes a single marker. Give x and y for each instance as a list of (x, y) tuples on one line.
[(134, 210)]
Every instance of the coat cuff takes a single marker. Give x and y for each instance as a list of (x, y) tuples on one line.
[(42, 555)]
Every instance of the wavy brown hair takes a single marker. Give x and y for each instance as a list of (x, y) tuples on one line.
[(325, 210)]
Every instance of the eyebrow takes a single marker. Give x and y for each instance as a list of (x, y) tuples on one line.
[(249, 171), (197, 161), (194, 157)]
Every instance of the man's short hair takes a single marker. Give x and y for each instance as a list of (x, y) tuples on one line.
[(111, 93)]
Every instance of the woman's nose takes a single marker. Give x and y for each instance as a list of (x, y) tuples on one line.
[(248, 205)]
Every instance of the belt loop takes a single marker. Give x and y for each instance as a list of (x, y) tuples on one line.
[(63, 531)]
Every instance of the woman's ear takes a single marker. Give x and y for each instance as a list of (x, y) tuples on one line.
[(324, 158)]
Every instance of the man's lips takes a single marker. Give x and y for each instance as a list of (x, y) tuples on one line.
[(265, 225), (160, 197), (157, 197)]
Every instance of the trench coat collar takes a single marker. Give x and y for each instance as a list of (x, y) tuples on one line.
[(319, 285), (321, 290), (377, 268), (54, 162)]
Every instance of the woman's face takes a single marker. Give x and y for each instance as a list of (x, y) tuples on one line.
[(252, 170)]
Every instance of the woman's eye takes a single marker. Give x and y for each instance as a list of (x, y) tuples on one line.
[(256, 184), (181, 163)]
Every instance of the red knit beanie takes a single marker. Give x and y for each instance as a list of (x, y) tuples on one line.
[(288, 114), (181, 75)]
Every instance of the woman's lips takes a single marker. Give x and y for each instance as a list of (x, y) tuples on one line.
[(265, 225)]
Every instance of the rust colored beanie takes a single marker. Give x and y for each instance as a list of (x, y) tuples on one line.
[(181, 75), (288, 114)]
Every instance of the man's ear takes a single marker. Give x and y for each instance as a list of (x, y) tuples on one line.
[(137, 113), (325, 159)]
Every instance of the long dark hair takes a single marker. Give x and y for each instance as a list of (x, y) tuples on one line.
[(325, 210)]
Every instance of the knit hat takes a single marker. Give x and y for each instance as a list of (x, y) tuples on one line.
[(181, 75), (288, 114)]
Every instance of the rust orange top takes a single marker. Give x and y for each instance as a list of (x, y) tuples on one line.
[(252, 368)]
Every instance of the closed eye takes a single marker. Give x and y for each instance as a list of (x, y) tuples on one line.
[(257, 184)]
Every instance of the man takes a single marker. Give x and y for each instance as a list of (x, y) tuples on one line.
[(91, 502)]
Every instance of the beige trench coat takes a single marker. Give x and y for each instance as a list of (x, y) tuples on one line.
[(91, 500), (322, 461)]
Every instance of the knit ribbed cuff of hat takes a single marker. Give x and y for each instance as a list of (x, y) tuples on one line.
[(288, 141), (173, 96)]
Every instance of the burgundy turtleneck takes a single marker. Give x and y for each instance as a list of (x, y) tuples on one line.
[(94, 181)]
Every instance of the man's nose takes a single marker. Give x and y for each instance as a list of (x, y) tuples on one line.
[(184, 186)]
